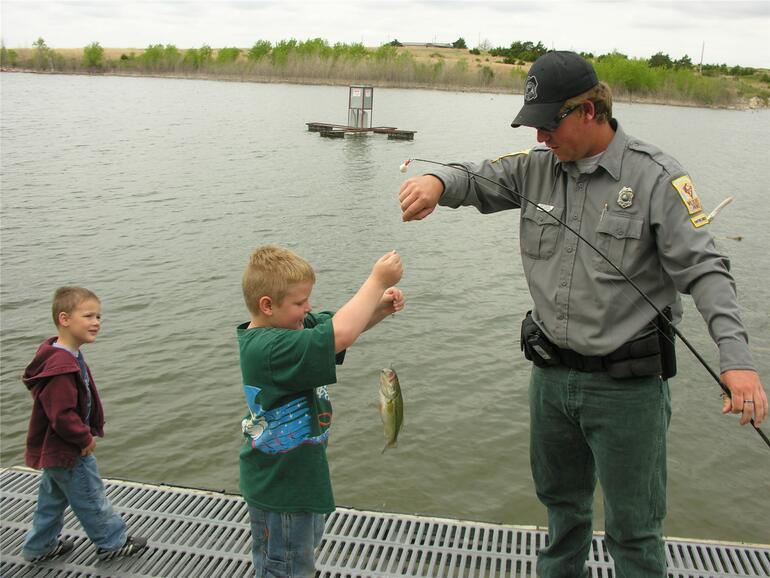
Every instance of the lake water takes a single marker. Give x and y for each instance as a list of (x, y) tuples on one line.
[(153, 192)]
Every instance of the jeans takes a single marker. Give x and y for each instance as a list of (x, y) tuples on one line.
[(82, 489), (589, 426), (284, 543)]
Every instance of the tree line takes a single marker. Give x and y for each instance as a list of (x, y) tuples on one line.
[(660, 76)]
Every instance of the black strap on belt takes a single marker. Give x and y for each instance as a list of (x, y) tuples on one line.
[(587, 363)]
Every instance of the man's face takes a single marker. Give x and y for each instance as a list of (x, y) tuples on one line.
[(568, 141)]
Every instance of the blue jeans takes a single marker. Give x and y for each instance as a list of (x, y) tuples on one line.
[(587, 427), (82, 489), (283, 543)]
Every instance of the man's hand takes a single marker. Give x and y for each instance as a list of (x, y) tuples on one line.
[(419, 196), (748, 397)]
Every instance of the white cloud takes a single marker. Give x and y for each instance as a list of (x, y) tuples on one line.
[(734, 32)]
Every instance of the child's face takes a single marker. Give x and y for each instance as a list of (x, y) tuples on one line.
[(290, 314), (83, 323)]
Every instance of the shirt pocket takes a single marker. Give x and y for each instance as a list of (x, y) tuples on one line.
[(617, 237), (539, 231)]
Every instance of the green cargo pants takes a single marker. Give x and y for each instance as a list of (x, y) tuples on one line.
[(586, 426)]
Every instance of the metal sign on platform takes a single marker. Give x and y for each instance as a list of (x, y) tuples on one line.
[(360, 99)]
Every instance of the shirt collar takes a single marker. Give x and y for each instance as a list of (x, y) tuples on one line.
[(65, 348), (612, 158)]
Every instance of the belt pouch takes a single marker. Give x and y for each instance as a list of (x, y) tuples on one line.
[(535, 345), (638, 358), (667, 339)]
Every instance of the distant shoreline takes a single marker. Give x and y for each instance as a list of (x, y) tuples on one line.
[(618, 96)]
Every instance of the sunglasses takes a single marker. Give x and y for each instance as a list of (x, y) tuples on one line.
[(557, 121)]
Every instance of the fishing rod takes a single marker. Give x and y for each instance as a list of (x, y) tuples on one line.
[(471, 175)]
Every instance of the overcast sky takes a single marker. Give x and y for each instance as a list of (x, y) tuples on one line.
[(728, 32)]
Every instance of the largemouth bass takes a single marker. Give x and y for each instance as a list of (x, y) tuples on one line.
[(391, 406)]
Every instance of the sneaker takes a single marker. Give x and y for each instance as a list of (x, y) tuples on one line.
[(133, 545), (61, 548)]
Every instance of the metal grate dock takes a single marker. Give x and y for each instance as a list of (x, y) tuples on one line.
[(195, 533)]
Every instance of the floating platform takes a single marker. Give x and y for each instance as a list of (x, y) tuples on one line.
[(340, 130), (203, 534)]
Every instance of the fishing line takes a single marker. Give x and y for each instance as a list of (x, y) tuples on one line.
[(472, 175)]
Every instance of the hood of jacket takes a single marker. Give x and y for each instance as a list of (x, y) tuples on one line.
[(49, 361)]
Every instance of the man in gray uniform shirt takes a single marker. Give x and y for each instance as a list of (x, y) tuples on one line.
[(599, 396)]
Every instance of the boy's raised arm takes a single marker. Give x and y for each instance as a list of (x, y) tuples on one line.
[(356, 315)]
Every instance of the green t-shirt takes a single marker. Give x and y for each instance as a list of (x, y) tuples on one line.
[(283, 455)]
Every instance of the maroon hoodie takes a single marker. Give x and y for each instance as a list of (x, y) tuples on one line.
[(57, 429)]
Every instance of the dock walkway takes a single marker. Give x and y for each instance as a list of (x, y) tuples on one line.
[(203, 534)]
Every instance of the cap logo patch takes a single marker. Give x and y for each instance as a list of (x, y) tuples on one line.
[(530, 89)]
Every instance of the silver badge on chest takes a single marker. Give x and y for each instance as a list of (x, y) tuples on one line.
[(625, 197)]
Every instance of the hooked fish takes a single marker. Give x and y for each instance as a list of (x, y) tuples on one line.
[(391, 406)]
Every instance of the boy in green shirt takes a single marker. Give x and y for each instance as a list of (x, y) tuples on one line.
[(288, 356)]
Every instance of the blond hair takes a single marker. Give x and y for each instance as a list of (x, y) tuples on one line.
[(600, 95), (271, 272), (67, 299)]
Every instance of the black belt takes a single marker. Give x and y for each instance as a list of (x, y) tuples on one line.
[(587, 363), (652, 354)]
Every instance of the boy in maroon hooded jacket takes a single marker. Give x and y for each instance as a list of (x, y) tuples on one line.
[(66, 416)]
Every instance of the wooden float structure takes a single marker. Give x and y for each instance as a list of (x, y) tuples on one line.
[(360, 103), (329, 130)]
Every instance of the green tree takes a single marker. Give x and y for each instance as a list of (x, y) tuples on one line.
[(206, 55), (93, 56), (385, 52), (660, 60), (42, 55), (228, 55), (8, 57), (459, 43), (260, 49), (152, 57), (314, 47), (171, 56), (192, 59), (683, 62), (281, 52)]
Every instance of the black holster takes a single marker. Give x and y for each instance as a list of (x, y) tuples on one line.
[(536, 346)]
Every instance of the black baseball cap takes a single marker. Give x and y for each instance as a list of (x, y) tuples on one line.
[(553, 79)]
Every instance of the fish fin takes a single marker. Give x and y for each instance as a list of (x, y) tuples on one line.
[(393, 444)]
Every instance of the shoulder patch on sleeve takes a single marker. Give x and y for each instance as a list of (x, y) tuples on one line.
[(686, 190), (699, 220), (524, 152)]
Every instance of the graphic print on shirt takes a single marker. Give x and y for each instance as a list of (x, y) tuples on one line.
[(283, 428)]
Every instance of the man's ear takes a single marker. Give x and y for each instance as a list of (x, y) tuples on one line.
[(589, 110), (266, 305)]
